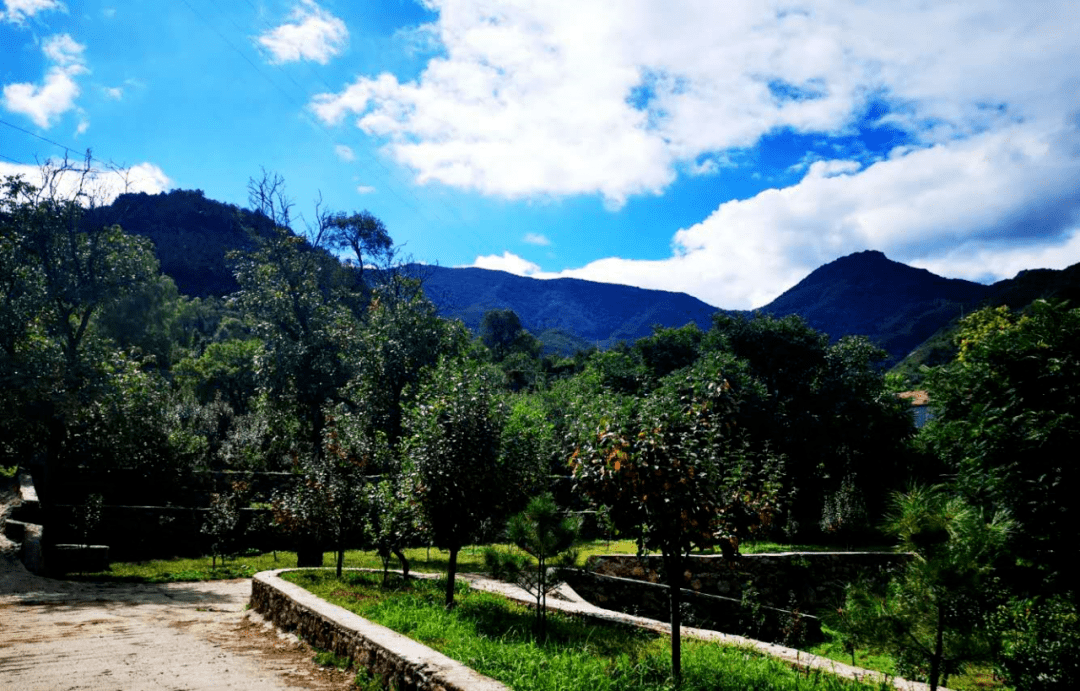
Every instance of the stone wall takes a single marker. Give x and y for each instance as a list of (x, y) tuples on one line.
[(807, 580), (401, 662), (714, 612)]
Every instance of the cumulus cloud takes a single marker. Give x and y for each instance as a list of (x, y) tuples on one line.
[(588, 96), (364, 189), (980, 209), (312, 34), (101, 185), (537, 239), (44, 103), (18, 11), (509, 262)]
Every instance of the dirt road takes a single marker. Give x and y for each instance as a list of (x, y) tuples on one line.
[(56, 635)]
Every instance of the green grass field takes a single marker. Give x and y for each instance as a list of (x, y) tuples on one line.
[(495, 637)]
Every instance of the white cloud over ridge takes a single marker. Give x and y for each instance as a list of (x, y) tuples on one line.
[(102, 185), (984, 208), (46, 102), (558, 98), (313, 34)]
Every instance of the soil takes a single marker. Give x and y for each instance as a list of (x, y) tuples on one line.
[(59, 635)]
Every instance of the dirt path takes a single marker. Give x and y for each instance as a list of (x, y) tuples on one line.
[(179, 636), (61, 635)]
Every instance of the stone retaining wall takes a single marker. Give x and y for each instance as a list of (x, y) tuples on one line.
[(402, 663), (713, 612), (809, 580)]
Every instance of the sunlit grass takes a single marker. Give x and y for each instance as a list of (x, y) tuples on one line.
[(495, 637), (422, 559)]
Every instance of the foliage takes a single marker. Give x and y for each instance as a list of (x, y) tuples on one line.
[(671, 473), (544, 532), (1007, 419), (222, 522), (454, 458), (392, 522), (927, 615), (329, 506), (1040, 642)]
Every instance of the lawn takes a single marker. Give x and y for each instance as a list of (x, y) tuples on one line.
[(495, 637), (421, 559)]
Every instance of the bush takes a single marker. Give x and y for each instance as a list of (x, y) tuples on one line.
[(1040, 643)]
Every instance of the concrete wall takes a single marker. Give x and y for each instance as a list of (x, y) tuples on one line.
[(808, 580), (402, 663)]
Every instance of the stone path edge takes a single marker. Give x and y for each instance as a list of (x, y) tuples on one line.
[(388, 654)]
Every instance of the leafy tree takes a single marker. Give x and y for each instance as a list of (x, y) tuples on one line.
[(328, 506), (667, 350), (60, 272), (393, 522), (669, 472), (501, 331), (928, 613), (454, 457), (307, 313), (1007, 421), (362, 233)]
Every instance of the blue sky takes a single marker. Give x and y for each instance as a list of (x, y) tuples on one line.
[(720, 148)]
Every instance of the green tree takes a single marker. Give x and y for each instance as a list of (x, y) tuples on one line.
[(362, 233), (60, 272), (544, 531), (929, 613), (454, 457), (1007, 421), (669, 472)]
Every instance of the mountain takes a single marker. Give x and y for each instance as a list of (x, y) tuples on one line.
[(566, 311), (192, 235), (896, 306), (866, 293), (1015, 293)]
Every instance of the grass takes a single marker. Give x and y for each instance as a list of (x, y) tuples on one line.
[(421, 559), (974, 678), (494, 637)]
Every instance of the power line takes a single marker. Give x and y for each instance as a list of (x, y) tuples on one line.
[(67, 149)]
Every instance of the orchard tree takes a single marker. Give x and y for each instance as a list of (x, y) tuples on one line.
[(671, 473), (454, 458)]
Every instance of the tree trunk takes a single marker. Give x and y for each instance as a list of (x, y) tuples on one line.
[(673, 566), (451, 573), (309, 554), (404, 564), (935, 661)]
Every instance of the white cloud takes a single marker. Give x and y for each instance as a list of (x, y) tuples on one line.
[(115, 93), (83, 125), (982, 208), (344, 152), (536, 239), (365, 189), (44, 103), (64, 50), (511, 263), (560, 97), (18, 11), (313, 34), (102, 185)]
